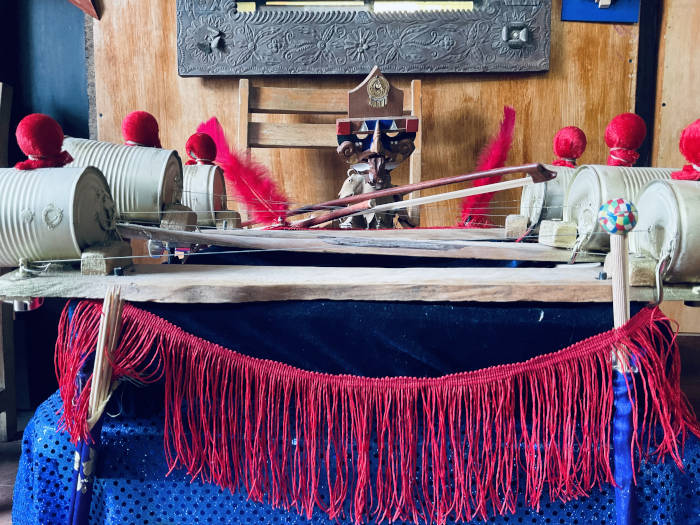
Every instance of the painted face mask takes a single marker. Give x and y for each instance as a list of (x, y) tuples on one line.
[(374, 147)]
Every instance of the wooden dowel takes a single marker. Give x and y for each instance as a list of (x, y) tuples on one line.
[(335, 214), (359, 209), (538, 171), (620, 277)]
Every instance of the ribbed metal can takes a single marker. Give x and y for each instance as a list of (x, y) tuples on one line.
[(594, 185), (142, 180), (669, 224), (204, 191), (53, 213), (545, 201)]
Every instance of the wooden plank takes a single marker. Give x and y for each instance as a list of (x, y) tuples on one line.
[(677, 103), (298, 100), (272, 135), (326, 242), (243, 111), (264, 99), (233, 284), (460, 112), (687, 317), (5, 111), (414, 173)]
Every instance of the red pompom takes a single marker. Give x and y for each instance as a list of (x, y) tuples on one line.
[(201, 149), (689, 146), (140, 128), (569, 144), (41, 138), (624, 134)]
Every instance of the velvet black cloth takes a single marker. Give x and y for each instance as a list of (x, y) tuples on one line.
[(380, 339)]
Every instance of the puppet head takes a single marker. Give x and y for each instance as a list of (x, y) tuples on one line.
[(41, 138)]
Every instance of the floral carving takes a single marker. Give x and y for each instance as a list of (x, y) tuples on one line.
[(500, 35), (261, 45), (306, 45), (359, 44)]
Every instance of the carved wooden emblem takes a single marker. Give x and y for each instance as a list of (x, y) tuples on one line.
[(214, 38)]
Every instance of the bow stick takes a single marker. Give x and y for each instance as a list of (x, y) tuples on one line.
[(537, 171), (364, 203)]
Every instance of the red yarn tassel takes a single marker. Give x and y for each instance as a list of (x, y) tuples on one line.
[(250, 181), (624, 134), (474, 207), (448, 448)]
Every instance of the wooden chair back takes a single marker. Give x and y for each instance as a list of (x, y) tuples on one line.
[(304, 101)]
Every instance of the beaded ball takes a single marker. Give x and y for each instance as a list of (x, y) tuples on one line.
[(617, 216)]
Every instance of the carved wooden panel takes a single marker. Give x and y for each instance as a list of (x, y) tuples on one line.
[(213, 38)]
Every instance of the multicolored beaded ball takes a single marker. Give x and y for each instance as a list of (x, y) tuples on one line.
[(617, 216)]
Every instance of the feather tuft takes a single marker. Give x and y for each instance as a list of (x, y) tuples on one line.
[(249, 180), (493, 156)]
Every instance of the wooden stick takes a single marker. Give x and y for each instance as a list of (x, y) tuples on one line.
[(354, 209), (101, 387), (620, 277), (367, 206), (537, 171), (380, 208)]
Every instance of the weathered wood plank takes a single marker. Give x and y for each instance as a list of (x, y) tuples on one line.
[(231, 284), (677, 103), (243, 113), (325, 241), (272, 135), (304, 100)]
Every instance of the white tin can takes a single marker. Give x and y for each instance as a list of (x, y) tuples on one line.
[(53, 213), (142, 180), (595, 185), (545, 201), (204, 191), (669, 224)]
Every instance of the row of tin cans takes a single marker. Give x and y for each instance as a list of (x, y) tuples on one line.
[(146, 180), (669, 211), (55, 213)]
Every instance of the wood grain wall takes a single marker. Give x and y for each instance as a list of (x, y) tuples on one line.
[(592, 78), (678, 85)]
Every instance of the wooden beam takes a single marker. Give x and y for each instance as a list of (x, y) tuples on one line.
[(414, 172), (243, 107), (274, 135), (235, 284), (305, 100), (326, 241)]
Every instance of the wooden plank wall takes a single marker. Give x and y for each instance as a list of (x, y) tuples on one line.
[(678, 85), (677, 105), (592, 78)]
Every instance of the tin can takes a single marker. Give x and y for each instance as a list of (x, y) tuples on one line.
[(204, 191), (668, 225), (545, 201), (53, 213), (142, 180), (594, 185)]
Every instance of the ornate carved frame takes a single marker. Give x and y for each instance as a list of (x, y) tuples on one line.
[(213, 38)]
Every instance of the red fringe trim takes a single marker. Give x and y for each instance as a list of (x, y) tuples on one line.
[(447, 448)]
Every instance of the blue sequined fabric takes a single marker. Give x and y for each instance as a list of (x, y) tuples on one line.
[(132, 486)]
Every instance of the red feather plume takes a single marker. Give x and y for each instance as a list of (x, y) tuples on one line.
[(493, 156), (250, 181)]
